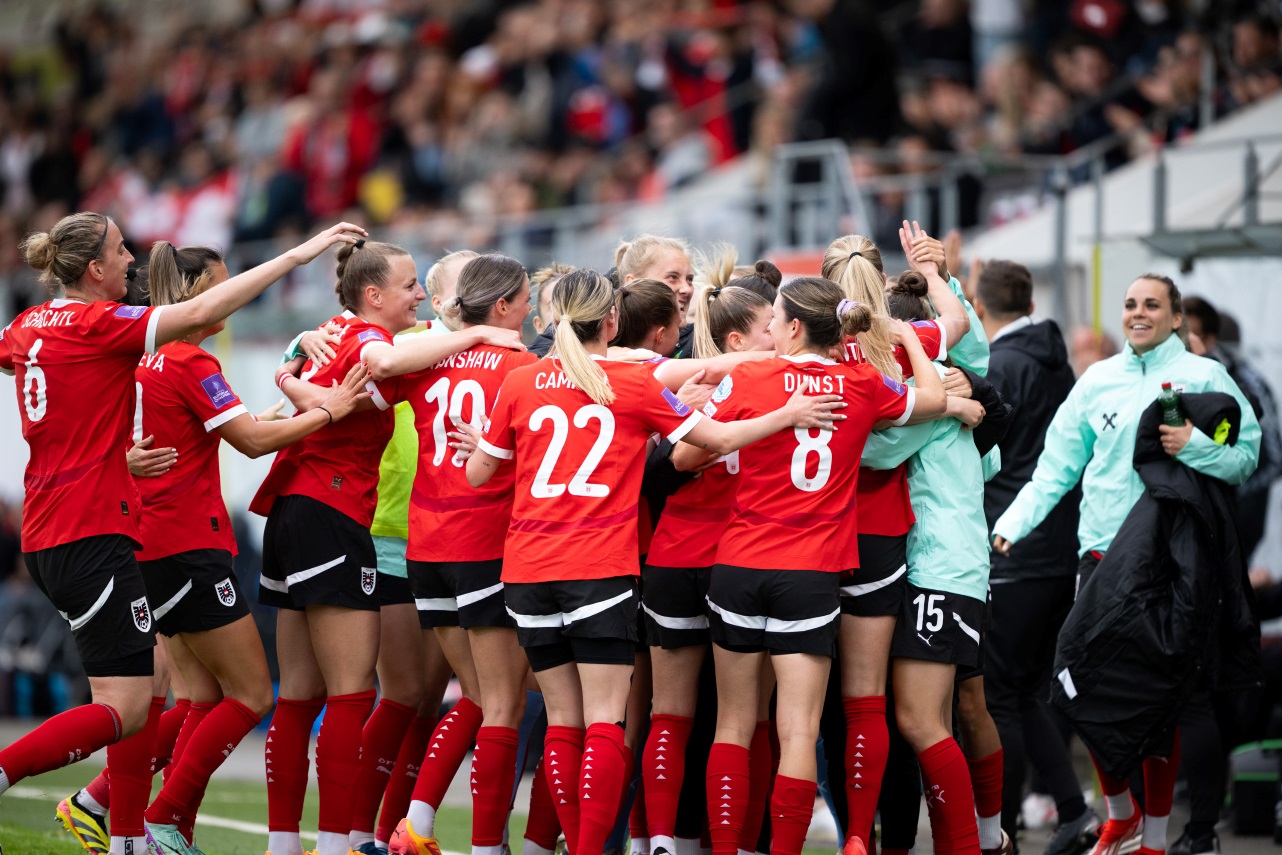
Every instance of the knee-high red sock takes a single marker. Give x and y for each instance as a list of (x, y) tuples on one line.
[(663, 764), (196, 713), (867, 747), (400, 787), (452, 739), (605, 761), (380, 742), (66, 738), (543, 826), (759, 778), (728, 786), (171, 723), (287, 760), (1159, 791), (638, 826), (563, 758), (949, 799), (791, 807), (493, 772), (1109, 785), (211, 744), (986, 781), (338, 758), (130, 762)]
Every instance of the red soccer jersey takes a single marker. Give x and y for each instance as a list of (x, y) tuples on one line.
[(578, 468), (885, 507), (795, 505), (337, 465), (74, 364), (182, 400), (449, 520), (694, 518)]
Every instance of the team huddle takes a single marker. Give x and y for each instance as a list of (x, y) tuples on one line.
[(794, 480)]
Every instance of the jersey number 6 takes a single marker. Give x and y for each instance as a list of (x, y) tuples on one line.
[(34, 385)]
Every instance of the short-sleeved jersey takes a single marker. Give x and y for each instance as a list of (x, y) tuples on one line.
[(449, 520), (795, 505), (74, 365), (337, 465), (694, 518), (182, 399), (579, 466), (885, 507)]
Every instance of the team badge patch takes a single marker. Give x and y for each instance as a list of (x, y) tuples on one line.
[(893, 385), (370, 335), (368, 575), (675, 403), (723, 390), (226, 592), (141, 614), (216, 388), (134, 312)]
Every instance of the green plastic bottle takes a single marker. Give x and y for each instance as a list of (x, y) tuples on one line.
[(1172, 412)]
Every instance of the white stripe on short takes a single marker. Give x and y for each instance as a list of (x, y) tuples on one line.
[(770, 624), (476, 596), (669, 622), (76, 623), (436, 604), (970, 633), (304, 575), (869, 587), (561, 619), (171, 602)]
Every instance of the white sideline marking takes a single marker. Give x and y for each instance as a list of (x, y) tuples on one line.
[(21, 792)]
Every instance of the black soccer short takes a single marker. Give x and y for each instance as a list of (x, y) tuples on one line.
[(783, 611), (468, 594), (549, 612), (675, 603), (876, 588), (314, 555), (193, 591), (94, 583), (938, 626)]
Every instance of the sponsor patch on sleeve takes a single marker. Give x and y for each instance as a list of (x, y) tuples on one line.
[(675, 403), (130, 311), (893, 385), (923, 324), (220, 394), (370, 335)]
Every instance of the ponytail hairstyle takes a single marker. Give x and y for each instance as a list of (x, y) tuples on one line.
[(174, 275), (482, 282), (634, 256), (435, 278), (854, 263), (361, 264), (762, 278), (719, 311), (821, 306), (643, 305), (582, 301), (906, 297), (717, 268), (63, 254)]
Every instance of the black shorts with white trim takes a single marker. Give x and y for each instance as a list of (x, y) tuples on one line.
[(876, 588), (95, 585), (783, 611), (548, 612), (193, 591), (468, 594), (675, 603), (938, 626), (314, 555)]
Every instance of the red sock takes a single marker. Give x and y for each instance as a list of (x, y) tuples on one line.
[(728, 785), (380, 742), (99, 789), (605, 761), (543, 826), (638, 826), (195, 715), (663, 763), (287, 762), (396, 801), (211, 744), (64, 739), (949, 799), (338, 758), (986, 781), (791, 807), (493, 773), (563, 756), (130, 763), (1109, 785), (1159, 780), (171, 723), (759, 777), (867, 746), (453, 738)]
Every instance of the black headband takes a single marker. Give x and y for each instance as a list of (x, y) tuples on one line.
[(106, 227)]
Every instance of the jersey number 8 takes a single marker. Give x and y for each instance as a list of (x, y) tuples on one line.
[(806, 444), (579, 485)]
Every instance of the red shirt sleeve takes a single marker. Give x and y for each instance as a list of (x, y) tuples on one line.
[(499, 439), (207, 394), (662, 411), (6, 351), (724, 403), (932, 338), (893, 400), (119, 330)]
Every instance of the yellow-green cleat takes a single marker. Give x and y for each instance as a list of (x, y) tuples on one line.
[(89, 829)]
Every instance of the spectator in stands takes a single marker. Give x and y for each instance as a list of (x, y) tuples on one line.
[(1256, 67)]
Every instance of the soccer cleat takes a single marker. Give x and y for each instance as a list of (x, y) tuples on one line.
[(368, 848), (170, 841), (1121, 836), (405, 842), (1006, 847), (854, 846), (89, 829), (1074, 836)]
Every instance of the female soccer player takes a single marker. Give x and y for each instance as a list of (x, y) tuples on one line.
[(319, 564), (1092, 438), (577, 426), (775, 584), (666, 260), (80, 514)]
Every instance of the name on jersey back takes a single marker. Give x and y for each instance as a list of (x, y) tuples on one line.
[(49, 318), (471, 359), (814, 384)]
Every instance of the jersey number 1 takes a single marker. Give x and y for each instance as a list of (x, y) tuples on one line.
[(439, 393)]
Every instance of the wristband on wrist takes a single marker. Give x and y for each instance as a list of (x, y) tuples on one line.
[(328, 413)]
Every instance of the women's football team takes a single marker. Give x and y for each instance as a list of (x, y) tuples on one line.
[(589, 525)]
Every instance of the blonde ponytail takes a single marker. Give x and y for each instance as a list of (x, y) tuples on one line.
[(582, 301), (854, 263), (705, 346), (174, 275)]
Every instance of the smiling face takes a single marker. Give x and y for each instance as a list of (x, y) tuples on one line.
[(396, 302), (671, 266), (105, 277), (1147, 317)]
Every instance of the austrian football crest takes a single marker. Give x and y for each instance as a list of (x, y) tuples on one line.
[(226, 592), (367, 579), (141, 614)]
